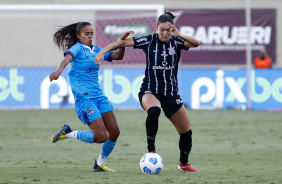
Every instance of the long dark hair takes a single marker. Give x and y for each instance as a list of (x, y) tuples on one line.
[(168, 16), (66, 37)]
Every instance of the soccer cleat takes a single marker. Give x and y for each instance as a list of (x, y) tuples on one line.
[(61, 134), (101, 168), (187, 167)]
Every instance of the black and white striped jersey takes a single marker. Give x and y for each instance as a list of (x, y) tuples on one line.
[(161, 64)]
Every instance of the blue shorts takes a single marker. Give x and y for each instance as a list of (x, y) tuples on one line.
[(89, 110)]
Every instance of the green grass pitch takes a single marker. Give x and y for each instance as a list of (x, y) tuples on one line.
[(229, 146)]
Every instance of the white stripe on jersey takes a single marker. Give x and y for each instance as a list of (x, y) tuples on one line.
[(165, 89), (176, 57), (143, 43), (171, 71), (156, 53), (156, 59), (178, 42), (171, 82), (149, 64), (155, 72)]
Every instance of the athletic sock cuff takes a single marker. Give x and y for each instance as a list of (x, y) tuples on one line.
[(107, 147)]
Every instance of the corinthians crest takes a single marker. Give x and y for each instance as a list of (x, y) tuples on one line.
[(171, 50)]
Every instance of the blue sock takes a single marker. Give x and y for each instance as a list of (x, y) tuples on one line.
[(107, 148), (86, 136)]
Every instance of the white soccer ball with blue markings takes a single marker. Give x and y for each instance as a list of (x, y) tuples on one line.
[(151, 163)]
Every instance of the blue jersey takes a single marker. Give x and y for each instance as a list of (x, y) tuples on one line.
[(83, 74)]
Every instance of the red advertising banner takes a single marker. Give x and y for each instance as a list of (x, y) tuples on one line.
[(223, 35)]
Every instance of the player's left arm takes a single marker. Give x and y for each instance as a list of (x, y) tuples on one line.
[(189, 41), (118, 55)]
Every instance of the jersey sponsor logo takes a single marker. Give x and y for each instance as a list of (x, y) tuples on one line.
[(179, 101), (171, 50), (164, 63), (162, 67), (142, 39), (90, 111)]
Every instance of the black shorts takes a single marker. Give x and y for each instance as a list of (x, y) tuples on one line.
[(170, 105)]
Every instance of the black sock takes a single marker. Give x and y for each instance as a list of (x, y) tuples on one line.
[(152, 123), (185, 145)]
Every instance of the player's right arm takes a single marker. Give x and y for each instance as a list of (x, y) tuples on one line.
[(113, 46), (55, 75)]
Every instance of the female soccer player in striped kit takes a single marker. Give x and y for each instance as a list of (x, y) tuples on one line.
[(159, 88), (92, 107)]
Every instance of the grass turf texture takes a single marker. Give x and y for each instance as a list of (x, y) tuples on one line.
[(228, 147)]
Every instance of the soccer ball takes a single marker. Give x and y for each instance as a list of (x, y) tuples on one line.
[(151, 163)]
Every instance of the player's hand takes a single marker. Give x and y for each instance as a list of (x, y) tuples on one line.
[(174, 30), (99, 58), (54, 76), (126, 34)]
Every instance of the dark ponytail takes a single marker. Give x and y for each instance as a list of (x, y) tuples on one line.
[(66, 37), (167, 17)]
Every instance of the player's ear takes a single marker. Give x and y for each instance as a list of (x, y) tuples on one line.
[(78, 35)]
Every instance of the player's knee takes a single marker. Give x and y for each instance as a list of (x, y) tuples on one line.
[(154, 112), (113, 135), (116, 133), (100, 137)]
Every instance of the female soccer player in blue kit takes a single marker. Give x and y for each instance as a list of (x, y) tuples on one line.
[(92, 107), (160, 86)]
